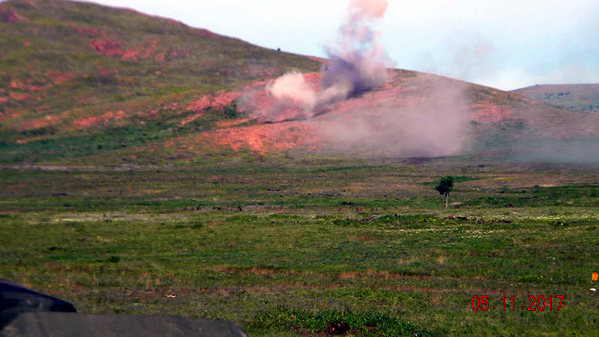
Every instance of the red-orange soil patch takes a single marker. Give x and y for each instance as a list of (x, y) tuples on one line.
[(16, 84), (160, 57), (85, 122), (223, 99), (19, 96), (215, 102), (191, 118), (264, 138), (12, 114), (39, 123), (107, 47), (488, 112), (200, 104), (105, 119), (58, 77), (130, 55)]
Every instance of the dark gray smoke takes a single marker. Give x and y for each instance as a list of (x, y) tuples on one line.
[(357, 62)]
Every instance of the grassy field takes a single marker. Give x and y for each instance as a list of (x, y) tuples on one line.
[(114, 194), (299, 248)]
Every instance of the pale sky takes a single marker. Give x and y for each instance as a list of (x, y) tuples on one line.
[(505, 44)]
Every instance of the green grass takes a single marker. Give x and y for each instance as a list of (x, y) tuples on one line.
[(114, 219), (175, 64), (107, 140), (272, 246), (361, 324)]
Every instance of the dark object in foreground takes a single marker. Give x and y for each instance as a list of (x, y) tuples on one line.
[(16, 299), (24, 312), (43, 324)]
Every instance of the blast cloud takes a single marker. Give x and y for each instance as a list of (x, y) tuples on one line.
[(431, 124), (293, 87), (357, 63)]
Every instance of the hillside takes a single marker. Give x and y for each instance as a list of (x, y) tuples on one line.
[(577, 97), (86, 84), (72, 74)]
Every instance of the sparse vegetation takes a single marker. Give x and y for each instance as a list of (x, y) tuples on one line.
[(110, 199), (285, 248)]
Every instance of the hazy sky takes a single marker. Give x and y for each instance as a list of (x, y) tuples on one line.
[(506, 44)]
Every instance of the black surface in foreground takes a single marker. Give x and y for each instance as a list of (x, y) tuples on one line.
[(42, 324), (24, 312)]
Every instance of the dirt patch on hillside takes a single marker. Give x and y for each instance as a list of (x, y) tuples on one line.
[(191, 118), (107, 47), (488, 112), (58, 77), (217, 102), (104, 119), (16, 84), (19, 96), (264, 138), (39, 123)]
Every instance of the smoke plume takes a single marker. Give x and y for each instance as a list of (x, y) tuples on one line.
[(432, 126), (293, 87), (428, 119), (357, 63)]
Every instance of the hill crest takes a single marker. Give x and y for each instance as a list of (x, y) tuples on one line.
[(576, 97), (81, 83)]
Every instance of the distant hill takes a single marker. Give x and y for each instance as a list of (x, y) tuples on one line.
[(577, 97), (86, 84)]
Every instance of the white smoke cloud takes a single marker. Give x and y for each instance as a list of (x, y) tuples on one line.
[(292, 86), (434, 126)]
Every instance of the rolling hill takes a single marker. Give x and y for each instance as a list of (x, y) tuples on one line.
[(577, 97), (90, 85)]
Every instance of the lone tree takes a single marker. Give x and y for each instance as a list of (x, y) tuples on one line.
[(445, 187)]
